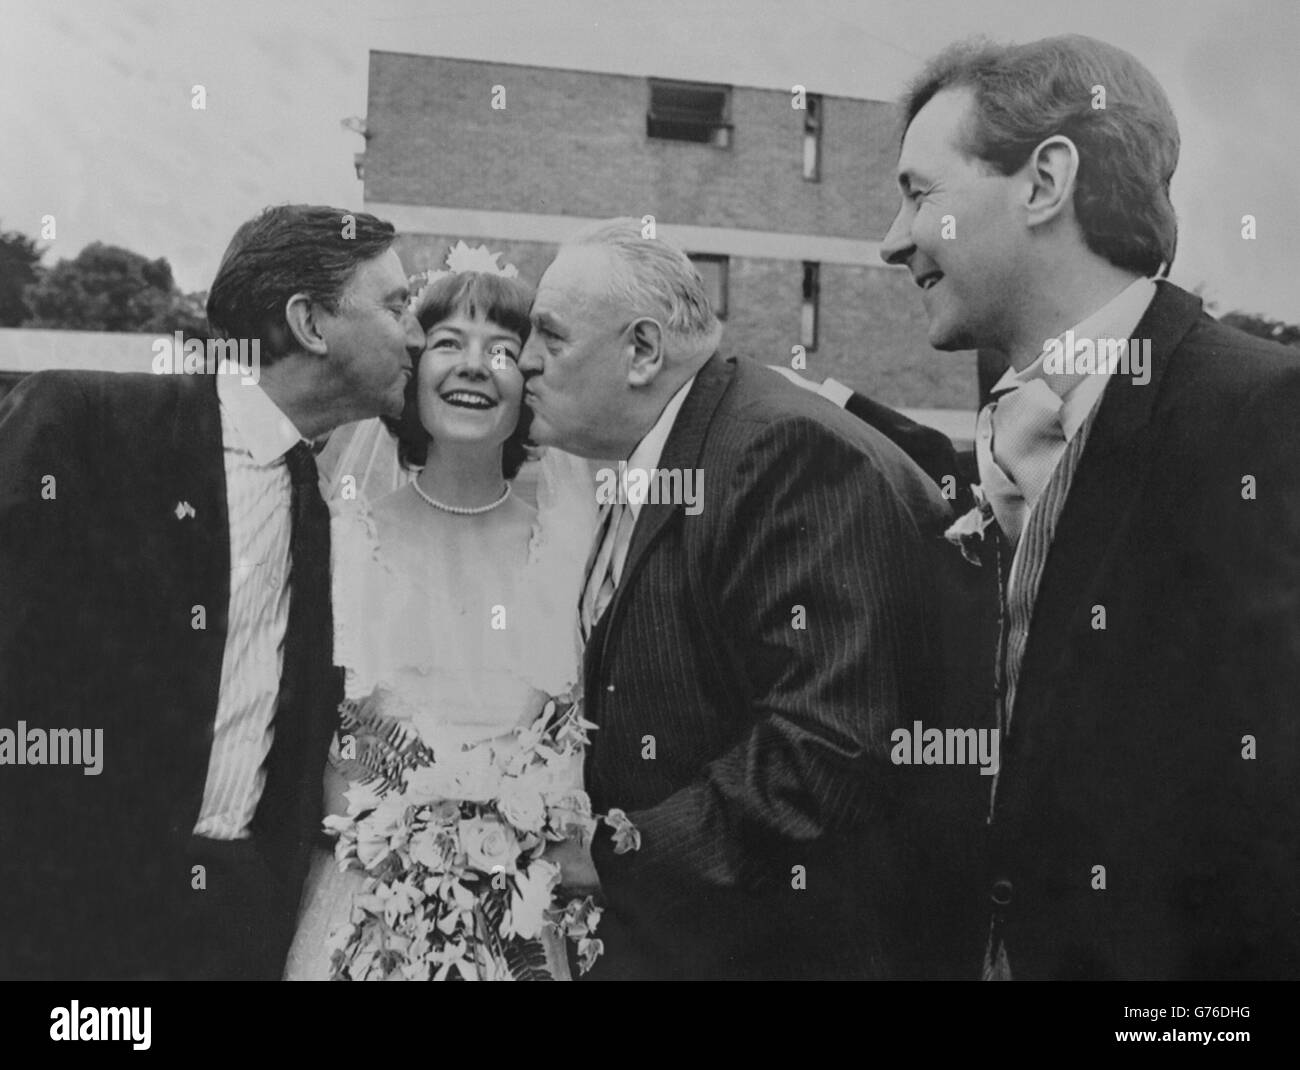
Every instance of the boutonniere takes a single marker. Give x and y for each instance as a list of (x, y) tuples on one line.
[(967, 531)]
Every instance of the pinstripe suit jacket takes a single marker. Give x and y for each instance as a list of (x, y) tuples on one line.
[(98, 586), (763, 650)]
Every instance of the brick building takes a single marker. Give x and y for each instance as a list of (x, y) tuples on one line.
[(782, 208)]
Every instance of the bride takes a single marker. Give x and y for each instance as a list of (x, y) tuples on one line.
[(455, 599)]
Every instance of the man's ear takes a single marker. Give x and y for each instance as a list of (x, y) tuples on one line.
[(1053, 168), (301, 313), (646, 338)]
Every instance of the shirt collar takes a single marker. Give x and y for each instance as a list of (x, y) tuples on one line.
[(650, 449), (1079, 392), (263, 428)]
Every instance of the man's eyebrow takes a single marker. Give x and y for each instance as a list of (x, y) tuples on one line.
[(402, 293), (545, 319)]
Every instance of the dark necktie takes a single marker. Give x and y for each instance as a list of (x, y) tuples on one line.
[(289, 808)]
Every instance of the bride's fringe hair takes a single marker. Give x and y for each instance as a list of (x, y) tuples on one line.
[(476, 295)]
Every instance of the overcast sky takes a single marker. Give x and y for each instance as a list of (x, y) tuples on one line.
[(99, 131)]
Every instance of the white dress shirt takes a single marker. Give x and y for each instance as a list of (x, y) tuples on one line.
[(255, 436), (614, 534), (646, 457), (648, 451), (1117, 318)]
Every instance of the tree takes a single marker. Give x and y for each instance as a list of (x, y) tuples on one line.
[(189, 314), (108, 288), (20, 267), (1288, 334)]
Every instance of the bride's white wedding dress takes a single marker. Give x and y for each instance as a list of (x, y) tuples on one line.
[(462, 626)]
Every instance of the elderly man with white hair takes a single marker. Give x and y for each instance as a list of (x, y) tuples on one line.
[(748, 658)]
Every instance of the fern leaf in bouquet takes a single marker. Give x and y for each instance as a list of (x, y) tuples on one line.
[(376, 749)]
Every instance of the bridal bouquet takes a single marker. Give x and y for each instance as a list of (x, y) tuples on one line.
[(451, 846)]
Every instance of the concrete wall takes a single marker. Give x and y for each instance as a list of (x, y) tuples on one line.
[(23, 351)]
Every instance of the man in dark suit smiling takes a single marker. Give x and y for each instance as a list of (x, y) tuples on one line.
[(164, 555), (1145, 526)]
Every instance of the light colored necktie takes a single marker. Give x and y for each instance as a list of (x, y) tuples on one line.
[(607, 567), (1018, 442)]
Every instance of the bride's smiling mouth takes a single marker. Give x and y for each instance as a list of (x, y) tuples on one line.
[(469, 399)]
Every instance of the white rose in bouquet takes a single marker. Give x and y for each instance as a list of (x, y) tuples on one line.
[(488, 843), (522, 805)]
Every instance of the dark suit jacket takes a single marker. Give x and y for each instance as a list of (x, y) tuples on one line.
[(1126, 749), (931, 450), (945, 927), (100, 585), (771, 741)]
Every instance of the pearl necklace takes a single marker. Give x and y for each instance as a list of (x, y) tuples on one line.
[(461, 510)]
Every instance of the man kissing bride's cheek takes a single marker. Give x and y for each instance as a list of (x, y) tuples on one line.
[(467, 626), (479, 830), (738, 742)]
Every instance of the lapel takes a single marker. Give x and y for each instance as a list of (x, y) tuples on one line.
[(196, 572), (197, 476), (682, 450), (599, 537), (1108, 480)]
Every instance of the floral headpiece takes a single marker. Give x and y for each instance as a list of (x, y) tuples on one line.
[(461, 258)]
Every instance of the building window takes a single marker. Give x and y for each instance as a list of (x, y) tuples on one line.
[(713, 270), (809, 313), (686, 111), (812, 138)]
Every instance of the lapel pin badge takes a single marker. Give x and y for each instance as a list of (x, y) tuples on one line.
[(183, 510)]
